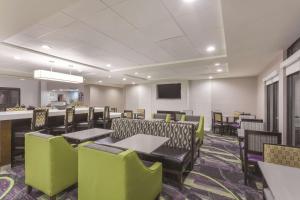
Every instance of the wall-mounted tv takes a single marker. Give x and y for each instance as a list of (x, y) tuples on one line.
[(9, 97), (169, 91)]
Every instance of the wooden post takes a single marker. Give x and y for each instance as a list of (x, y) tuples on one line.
[(5, 143)]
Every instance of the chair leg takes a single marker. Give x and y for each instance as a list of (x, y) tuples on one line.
[(28, 189), (158, 197), (52, 197)]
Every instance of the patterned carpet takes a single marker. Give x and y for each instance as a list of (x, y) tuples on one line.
[(217, 175)]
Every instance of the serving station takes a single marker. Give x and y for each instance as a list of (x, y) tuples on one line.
[(16, 119)]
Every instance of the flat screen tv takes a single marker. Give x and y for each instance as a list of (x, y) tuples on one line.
[(169, 91), (9, 97)]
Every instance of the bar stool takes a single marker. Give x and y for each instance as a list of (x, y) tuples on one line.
[(38, 123), (105, 119), (90, 120), (68, 123)]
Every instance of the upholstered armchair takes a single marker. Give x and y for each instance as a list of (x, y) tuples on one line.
[(116, 175), (50, 163), (200, 129)]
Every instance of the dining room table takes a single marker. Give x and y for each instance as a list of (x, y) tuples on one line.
[(282, 181), (141, 143), (87, 135)]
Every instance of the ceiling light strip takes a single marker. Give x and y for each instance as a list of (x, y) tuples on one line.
[(52, 56), (57, 76)]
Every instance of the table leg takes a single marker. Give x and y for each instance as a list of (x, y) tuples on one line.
[(5, 143)]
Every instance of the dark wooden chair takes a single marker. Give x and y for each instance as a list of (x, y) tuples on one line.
[(218, 123), (105, 120), (39, 122), (254, 144), (128, 114), (69, 123), (89, 123), (113, 109)]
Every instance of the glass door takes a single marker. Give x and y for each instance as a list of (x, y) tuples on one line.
[(294, 109), (272, 107)]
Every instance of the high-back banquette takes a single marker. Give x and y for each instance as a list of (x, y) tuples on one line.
[(182, 135)]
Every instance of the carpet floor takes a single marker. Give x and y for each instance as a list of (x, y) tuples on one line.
[(217, 175)]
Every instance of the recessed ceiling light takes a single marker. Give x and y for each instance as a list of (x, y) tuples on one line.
[(148, 76), (124, 79), (100, 81), (210, 77), (219, 70), (108, 65), (136, 73), (211, 48), (109, 76), (46, 47), (133, 83), (217, 64), (17, 58)]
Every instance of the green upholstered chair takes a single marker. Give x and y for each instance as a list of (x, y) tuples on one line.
[(182, 118), (200, 129), (112, 174), (50, 163), (168, 118)]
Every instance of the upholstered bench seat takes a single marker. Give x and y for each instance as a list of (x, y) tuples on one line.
[(173, 158), (107, 140)]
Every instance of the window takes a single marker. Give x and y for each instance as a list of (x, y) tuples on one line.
[(293, 109), (272, 107)]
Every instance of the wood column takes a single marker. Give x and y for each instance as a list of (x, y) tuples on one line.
[(5, 143)]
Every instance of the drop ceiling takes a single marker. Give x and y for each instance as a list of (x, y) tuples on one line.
[(164, 39)]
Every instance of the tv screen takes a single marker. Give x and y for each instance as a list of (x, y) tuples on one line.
[(9, 97), (169, 91)]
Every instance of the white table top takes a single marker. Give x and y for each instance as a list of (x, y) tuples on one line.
[(282, 181), (12, 115), (142, 143), (88, 134)]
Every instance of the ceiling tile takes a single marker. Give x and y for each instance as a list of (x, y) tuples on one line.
[(142, 13), (84, 8), (179, 47), (57, 21), (112, 2), (160, 31)]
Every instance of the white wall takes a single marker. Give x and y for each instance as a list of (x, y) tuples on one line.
[(105, 96), (144, 96), (30, 94), (201, 99), (201, 96), (234, 94)]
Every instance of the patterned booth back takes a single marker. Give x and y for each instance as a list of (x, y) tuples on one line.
[(192, 118), (247, 117), (159, 116), (282, 155), (182, 135), (252, 125), (255, 140)]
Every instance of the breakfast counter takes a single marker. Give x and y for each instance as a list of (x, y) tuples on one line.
[(7, 120)]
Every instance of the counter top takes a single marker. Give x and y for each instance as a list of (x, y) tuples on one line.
[(12, 115)]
